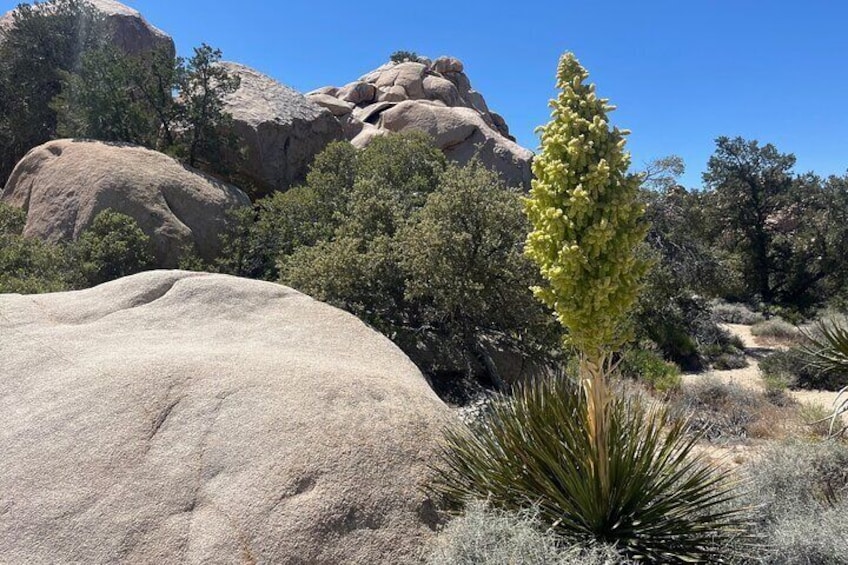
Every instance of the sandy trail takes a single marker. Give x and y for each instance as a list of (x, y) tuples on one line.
[(750, 375)]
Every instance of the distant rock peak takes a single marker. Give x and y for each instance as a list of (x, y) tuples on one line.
[(434, 96)]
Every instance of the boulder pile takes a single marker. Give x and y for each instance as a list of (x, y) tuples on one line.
[(431, 96)]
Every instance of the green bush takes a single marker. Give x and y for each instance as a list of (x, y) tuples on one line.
[(112, 247), (428, 253), (649, 496), (28, 265), (680, 324), (797, 369), (404, 56), (650, 369), (488, 536), (31, 266)]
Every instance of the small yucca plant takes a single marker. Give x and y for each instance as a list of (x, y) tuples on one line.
[(536, 450), (828, 350)]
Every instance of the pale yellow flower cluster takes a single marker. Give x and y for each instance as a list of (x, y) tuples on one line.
[(586, 217)]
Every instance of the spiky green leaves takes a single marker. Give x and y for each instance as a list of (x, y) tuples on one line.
[(535, 450), (586, 218)]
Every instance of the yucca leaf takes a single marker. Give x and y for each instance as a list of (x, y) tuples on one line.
[(664, 504)]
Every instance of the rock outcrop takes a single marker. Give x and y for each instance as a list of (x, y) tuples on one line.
[(127, 28), (280, 129), (175, 417), (435, 97), (62, 185)]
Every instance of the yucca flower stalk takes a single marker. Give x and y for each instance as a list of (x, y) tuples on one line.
[(587, 222)]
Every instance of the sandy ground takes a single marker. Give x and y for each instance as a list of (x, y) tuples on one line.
[(750, 375)]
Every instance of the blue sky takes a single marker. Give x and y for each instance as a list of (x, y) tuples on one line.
[(680, 72)]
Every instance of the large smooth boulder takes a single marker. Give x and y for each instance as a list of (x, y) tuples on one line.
[(280, 129), (436, 97), (127, 28), (62, 185), (175, 417), (462, 134)]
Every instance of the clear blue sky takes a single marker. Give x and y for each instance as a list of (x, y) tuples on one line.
[(680, 72)]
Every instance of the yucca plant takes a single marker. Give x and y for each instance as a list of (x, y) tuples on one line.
[(650, 498), (600, 468), (827, 349)]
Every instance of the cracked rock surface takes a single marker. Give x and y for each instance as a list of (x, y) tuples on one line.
[(176, 417), (62, 185)]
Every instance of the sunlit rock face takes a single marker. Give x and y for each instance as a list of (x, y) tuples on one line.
[(279, 130), (126, 27), (431, 96), (176, 417)]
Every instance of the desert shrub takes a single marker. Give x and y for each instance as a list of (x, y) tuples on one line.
[(719, 410), (735, 313), (12, 220), (777, 329), (800, 491), (650, 369), (31, 266), (643, 493), (428, 253), (816, 417), (817, 539), (487, 536), (726, 358), (404, 56), (302, 216), (678, 322), (112, 247), (796, 367), (777, 383), (798, 475), (28, 265)]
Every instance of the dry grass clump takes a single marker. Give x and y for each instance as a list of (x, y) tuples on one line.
[(722, 411), (776, 331)]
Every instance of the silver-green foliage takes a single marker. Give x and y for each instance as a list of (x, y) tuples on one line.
[(800, 491), (488, 536)]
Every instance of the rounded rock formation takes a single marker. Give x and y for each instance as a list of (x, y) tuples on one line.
[(435, 97), (62, 185), (127, 28), (175, 417)]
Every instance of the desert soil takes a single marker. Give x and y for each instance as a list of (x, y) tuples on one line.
[(750, 375)]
